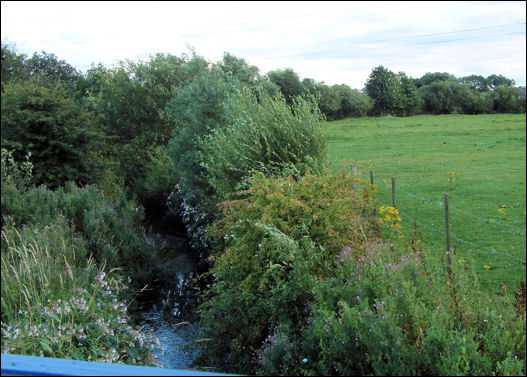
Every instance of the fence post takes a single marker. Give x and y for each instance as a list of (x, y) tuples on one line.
[(447, 224), (394, 202), (353, 174), (371, 177)]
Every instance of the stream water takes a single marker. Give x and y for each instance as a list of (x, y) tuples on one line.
[(168, 309)]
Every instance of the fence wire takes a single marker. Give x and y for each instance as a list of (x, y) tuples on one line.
[(441, 204), (456, 238)]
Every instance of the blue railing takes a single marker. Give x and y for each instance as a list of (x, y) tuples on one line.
[(17, 365)]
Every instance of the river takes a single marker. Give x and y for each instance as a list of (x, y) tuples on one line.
[(168, 310)]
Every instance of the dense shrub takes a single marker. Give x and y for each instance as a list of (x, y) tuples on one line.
[(303, 286), (45, 121), (224, 131), (389, 314), (111, 230), (277, 240)]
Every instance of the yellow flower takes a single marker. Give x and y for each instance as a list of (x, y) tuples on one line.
[(501, 210), (461, 260), (486, 266)]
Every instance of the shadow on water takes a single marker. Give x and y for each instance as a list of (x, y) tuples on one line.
[(167, 306)]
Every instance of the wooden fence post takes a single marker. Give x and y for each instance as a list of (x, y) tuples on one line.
[(353, 174), (371, 177), (394, 201), (447, 223)]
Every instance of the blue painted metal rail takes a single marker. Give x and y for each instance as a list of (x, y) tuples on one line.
[(18, 365)]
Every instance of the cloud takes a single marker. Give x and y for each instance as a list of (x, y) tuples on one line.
[(335, 42)]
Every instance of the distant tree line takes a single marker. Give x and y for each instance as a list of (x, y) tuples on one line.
[(389, 93)]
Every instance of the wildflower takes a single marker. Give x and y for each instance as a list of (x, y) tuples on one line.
[(486, 266)]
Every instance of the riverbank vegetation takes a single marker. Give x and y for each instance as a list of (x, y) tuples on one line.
[(306, 275)]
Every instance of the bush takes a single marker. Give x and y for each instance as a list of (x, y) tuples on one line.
[(278, 238), (223, 132), (44, 121), (303, 286), (111, 229), (388, 314), (19, 174)]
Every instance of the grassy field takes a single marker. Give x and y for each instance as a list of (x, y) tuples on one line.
[(478, 160)]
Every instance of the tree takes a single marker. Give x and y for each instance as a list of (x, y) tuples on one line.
[(44, 120), (328, 101), (129, 102), (384, 88), (238, 68), (13, 64), (410, 101), (352, 102), (430, 77), (476, 82), (48, 69), (288, 82), (446, 97), (499, 80), (507, 99)]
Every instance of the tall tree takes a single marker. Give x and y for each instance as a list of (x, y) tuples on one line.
[(384, 88), (476, 82), (410, 100), (430, 77), (498, 80), (289, 83), (44, 120), (13, 64)]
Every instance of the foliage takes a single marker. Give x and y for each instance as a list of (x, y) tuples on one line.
[(476, 82), (264, 136), (506, 99), (352, 102), (289, 83), (110, 229), (57, 303), (445, 97), (496, 81), (390, 314), (276, 239), (129, 102), (18, 174), (13, 64), (410, 101), (44, 121), (384, 88), (46, 68), (224, 132), (431, 77)]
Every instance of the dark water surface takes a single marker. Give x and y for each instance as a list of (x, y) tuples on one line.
[(168, 308)]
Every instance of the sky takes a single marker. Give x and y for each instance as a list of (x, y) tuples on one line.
[(334, 42)]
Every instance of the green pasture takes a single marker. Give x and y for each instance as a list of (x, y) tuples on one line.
[(478, 160)]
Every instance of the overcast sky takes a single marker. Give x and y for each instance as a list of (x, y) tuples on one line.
[(334, 42)]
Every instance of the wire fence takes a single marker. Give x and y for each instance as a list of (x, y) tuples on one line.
[(442, 205)]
